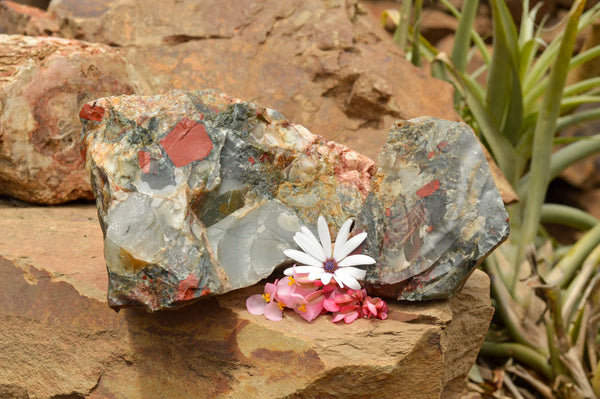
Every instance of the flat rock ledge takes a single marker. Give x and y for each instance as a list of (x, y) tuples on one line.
[(58, 338)]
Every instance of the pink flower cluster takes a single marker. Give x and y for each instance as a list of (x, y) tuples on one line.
[(311, 298)]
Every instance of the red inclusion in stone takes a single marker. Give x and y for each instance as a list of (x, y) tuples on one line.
[(187, 288), (144, 160), (91, 113), (187, 142), (428, 189)]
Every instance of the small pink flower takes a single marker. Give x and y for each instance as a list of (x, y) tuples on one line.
[(375, 307), (348, 313), (312, 306), (290, 294), (345, 304), (266, 303)]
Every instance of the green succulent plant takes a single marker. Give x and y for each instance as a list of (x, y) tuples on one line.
[(547, 297)]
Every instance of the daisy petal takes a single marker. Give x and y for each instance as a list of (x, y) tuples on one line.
[(302, 257), (346, 279), (311, 237), (351, 245), (341, 239), (315, 275), (326, 278), (356, 260), (324, 236), (355, 272), (309, 246), (305, 269)]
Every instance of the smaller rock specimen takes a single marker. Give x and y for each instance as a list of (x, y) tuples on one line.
[(199, 193), (433, 213), (43, 84)]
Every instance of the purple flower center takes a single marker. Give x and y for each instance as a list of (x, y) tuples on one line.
[(330, 265)]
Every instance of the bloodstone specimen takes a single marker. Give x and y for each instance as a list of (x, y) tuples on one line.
[(199, 193), (433, 213)]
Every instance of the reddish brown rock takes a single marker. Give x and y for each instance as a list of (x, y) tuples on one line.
[(58, 338), (22, 19), (43, 84), (436, 24), (325, 65)]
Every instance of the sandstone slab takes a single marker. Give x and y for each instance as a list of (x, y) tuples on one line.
[(58, 339), (43, 84)]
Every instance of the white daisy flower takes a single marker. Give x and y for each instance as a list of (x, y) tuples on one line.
[(321, 264)]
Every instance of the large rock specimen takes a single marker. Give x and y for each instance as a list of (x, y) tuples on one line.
[(58, 339), (43, 84), (199, 193)]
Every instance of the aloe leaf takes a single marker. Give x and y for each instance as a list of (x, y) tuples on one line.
[(543, 135), (547, 58), (507, 307), (522, 353), (462, 39), (573, 101), (578, 286), (504, 95), (528, 52), (566, 268), (479, 42), (582, 148), (582, 86), (585, 56), (573, 153), (576, 118), (534, 94), (401, 33), (527, 29), (500, 147), (392, 14), (596, 380), (415, 53), (567, 216)]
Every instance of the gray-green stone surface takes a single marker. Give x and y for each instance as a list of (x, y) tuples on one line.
[(198, 194)]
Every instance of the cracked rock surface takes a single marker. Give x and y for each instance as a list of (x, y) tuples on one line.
[(59, 339)]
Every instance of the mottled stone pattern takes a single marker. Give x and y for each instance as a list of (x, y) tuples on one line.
[(43, 84), (433, 212), (199, 193)]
